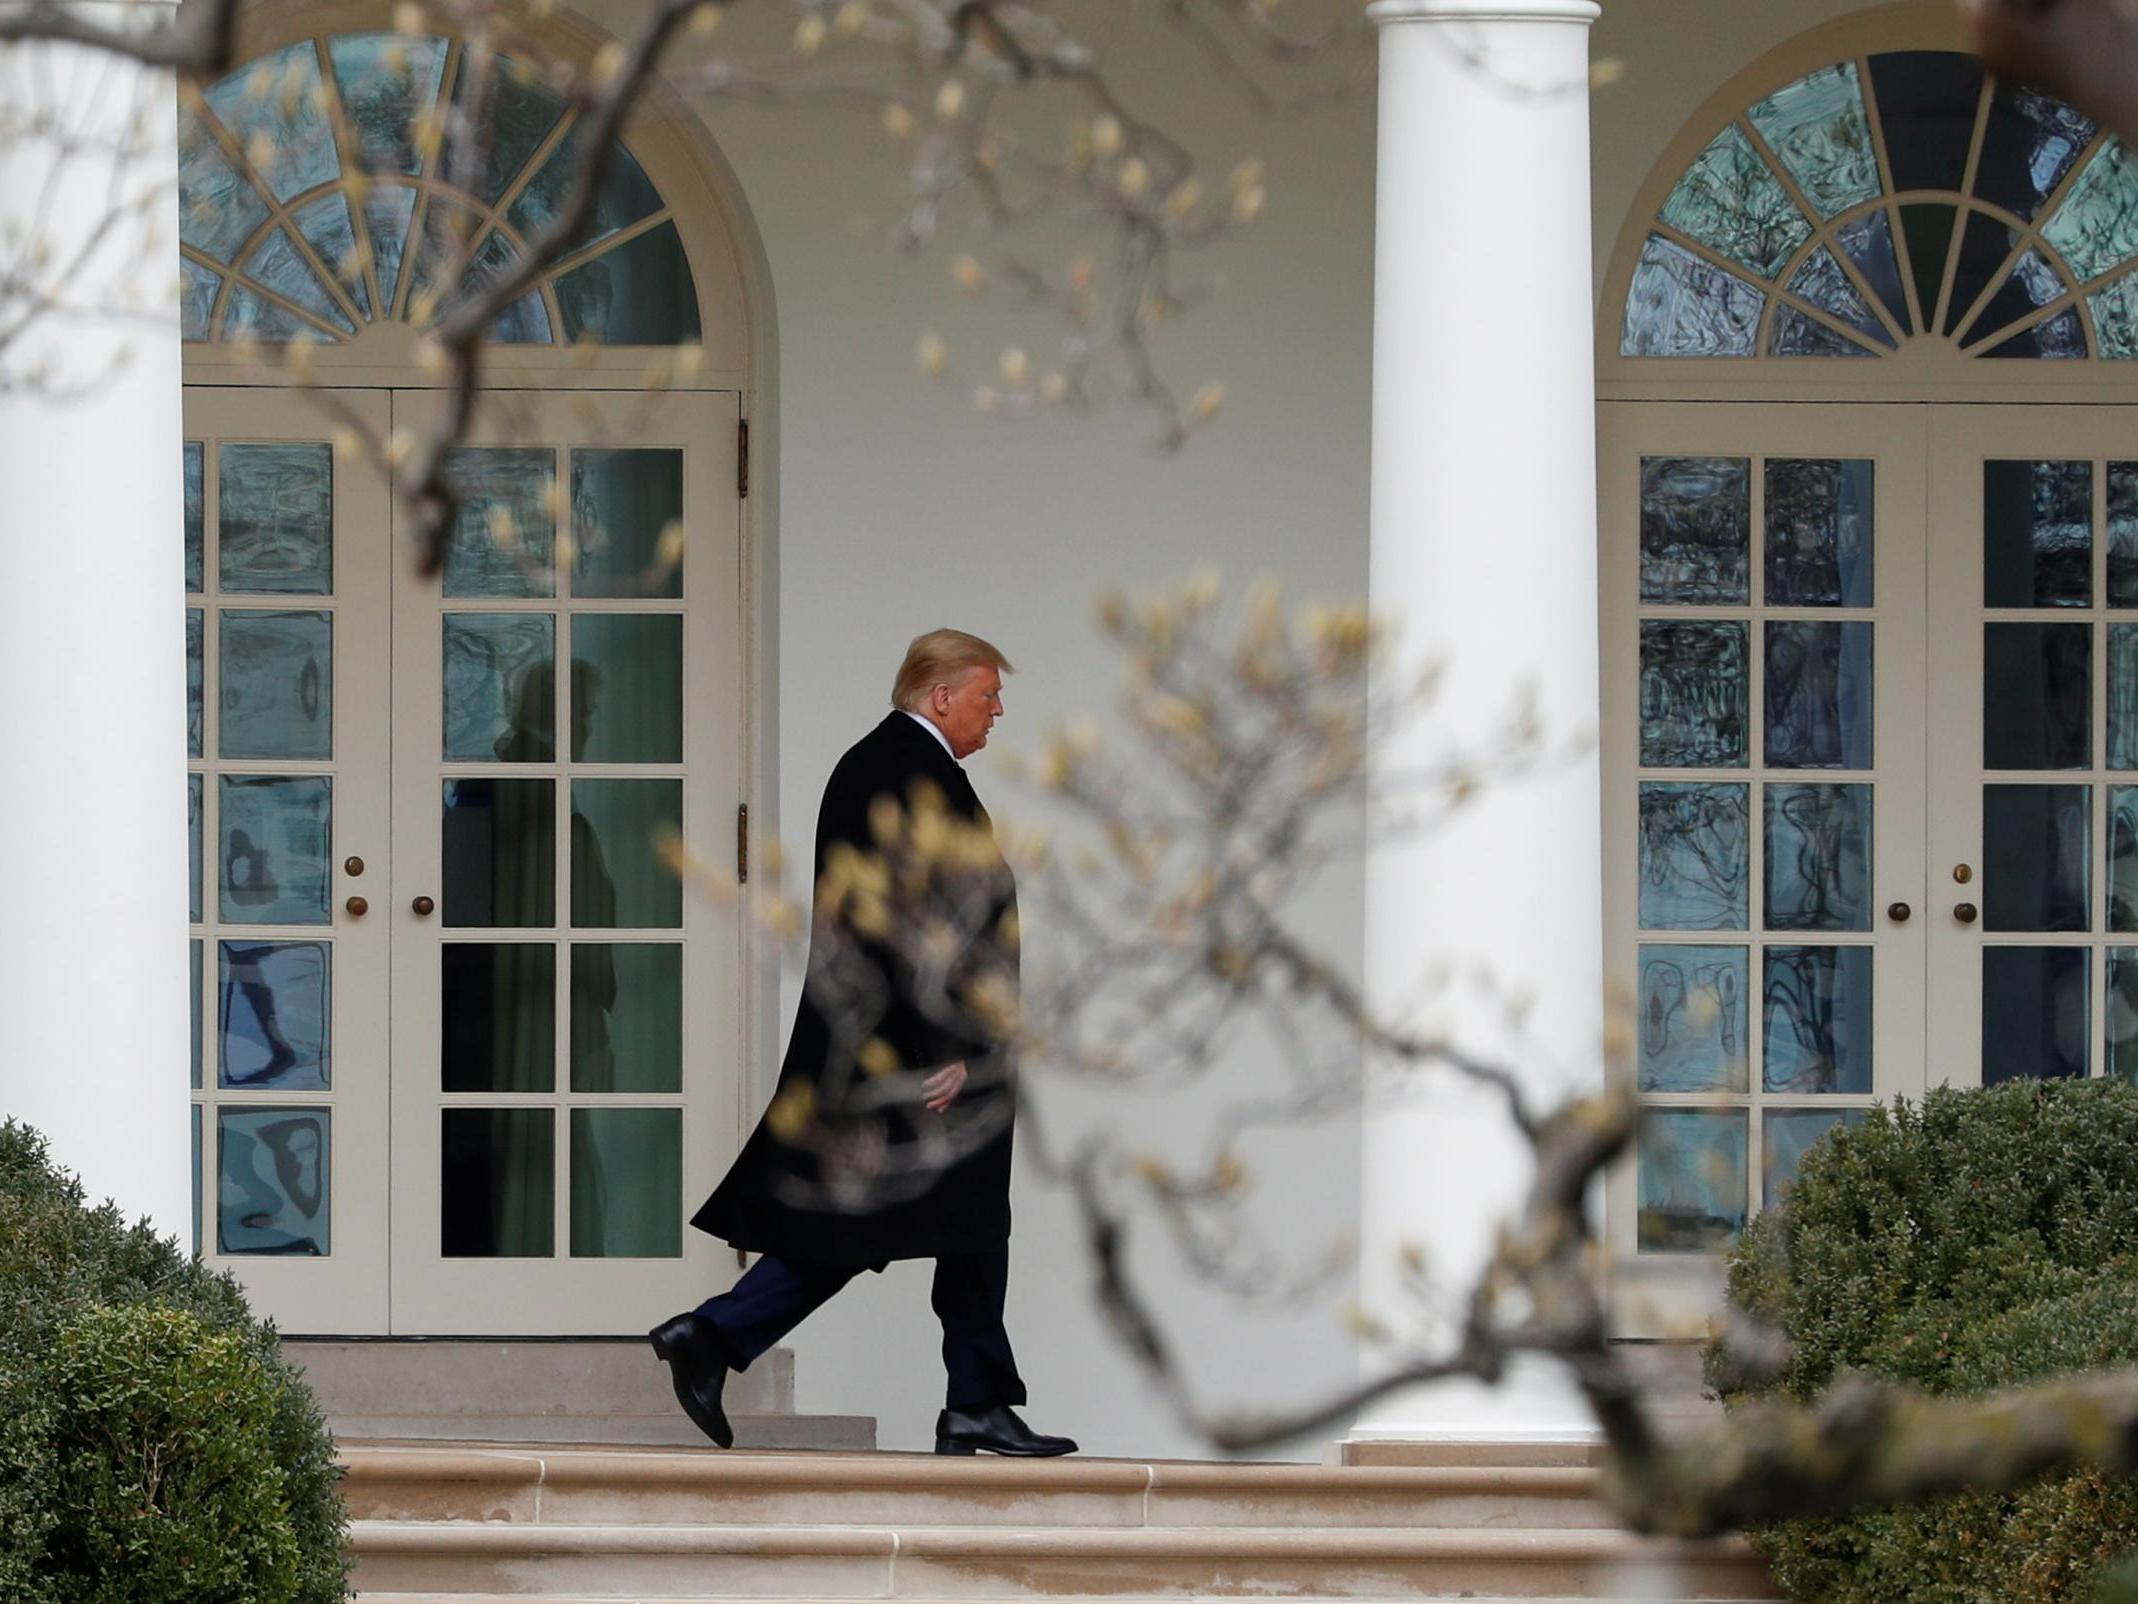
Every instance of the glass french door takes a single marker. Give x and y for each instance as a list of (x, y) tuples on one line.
[(1764, 662), (287, 806), (2033, 740), (567, 1031)]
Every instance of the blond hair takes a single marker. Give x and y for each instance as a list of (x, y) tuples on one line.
[(937, 657)]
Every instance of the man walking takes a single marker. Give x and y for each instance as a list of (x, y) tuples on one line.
[(777, 1200)]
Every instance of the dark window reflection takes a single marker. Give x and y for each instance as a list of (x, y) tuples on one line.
[(497, 1183), (2034, 1011)]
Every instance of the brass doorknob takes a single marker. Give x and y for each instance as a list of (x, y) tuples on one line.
[(357, 907), (1898, 912), (423, 907), (1965, 913), (352, 866)]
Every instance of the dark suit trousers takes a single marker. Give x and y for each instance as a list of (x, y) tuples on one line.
[(774, 1296)]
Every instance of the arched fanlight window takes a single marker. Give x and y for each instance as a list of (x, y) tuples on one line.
[(1891, 198), (313, 202)]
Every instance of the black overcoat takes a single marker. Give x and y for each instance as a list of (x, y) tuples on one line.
[(772, 1200)]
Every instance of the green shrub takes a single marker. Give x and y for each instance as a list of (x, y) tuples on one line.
[(154, 1443), (1981, 1240)]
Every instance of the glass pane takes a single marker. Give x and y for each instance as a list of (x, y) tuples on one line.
[(2060, 338), (2037, 534), (276, 836), (277, 266), (526, 320), (2123, 857), (250, 316), (1696, 530), (276, 109), (625, 195), (1927, 102), (198, 1246), (1818, 857), (1817, 1024), (1985, 247), (194, 782), (2036, 847), (1927, 231), (441, 253), (1680, 305), (384, 79), (196, 492), (500, 687), (2037, 696), (499, 853), (2123, 534), (627, 688), (618, 880), (1819, 696), (504, 536), (1786, 1135), (1868, 240), (637, 293), (1693, 1019), (218, 207), (388, 211), (2096, 227), (2123, 696), (272, 1178), (2030, 144), (1818, 129), (627, 1183), (277, 678), (1797, 335), (326, 227), (1819, 532), (1823, 283), (1731, 202), (2034, 1011), (499, 1003), (497, 1183), (622, 503), (275, 525), (1696, 858), (196, 696), (2115, 318), (627, 1017), (2032, 285), (274, 1015), (1695, 695), (1692, 1180), (2122, 1022), (197, 289), (514, 114), (199, 978)]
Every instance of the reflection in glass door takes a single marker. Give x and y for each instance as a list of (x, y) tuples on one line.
[(2034, 740), (285, 575), (1763, 625), (568, 1040)]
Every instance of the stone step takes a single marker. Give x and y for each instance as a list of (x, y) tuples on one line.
[(610, 1391), (707, 1487), (521, 1559)]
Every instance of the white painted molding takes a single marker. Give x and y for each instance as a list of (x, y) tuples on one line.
[(1387, 11)]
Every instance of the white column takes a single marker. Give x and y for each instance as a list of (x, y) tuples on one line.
[(93, 959), (1484, 554)]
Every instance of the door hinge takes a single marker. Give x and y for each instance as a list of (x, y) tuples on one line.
[(742, 458), (742, 844)]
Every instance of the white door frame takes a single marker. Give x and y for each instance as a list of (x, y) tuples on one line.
[(562, 1295), (1672, 1294), (344, 1291)]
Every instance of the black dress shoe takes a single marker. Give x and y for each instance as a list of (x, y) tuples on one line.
[(699, 1370), (998, 1430)]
